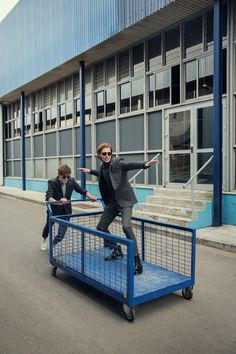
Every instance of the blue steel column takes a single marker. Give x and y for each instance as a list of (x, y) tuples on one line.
[(217, 114), (22, 119), (82, 123)]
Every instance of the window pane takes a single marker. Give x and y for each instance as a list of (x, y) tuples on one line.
[(68, 88), (9, 168), (69, 113), (155, 172), (128, 140), (175, 84), (51, 167), (51, 144), (155, 131), (209, 29), (172, 46), (88, 106), (162, 87), (16, 149), (179, 130), (190, 79), (123, 65), (99, 75), (206, 176), (138, 59), (17, 168), (100, 104), (154, 53), (27, 124), (205, 128), (205, 70), (38, 168), (110, 102), (65, 137), (193, 37), (179, 168), (106, 132), (78, 111), (54, 117), (137, 94), (62, 115), (151, 90), (48, 119), (8, 146), (125, 98), (110, 71), (38, 146), (27, 148)]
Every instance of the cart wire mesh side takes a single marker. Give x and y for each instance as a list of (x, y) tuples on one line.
[(167, 252)]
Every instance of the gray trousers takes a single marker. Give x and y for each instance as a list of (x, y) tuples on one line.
[(109, 214)]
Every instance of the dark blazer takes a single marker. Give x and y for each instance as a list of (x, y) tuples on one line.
[(118, 169), (55, 191)]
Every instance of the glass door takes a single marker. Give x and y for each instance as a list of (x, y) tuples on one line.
[(189, 145), (178, 146)]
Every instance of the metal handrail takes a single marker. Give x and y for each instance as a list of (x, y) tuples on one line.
[(192, 179), (136, 174), (197, 173)]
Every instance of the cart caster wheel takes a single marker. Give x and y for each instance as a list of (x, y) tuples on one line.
[(54, 271), (129, 313), (187, 293)]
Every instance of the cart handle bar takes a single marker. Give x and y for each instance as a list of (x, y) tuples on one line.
[(71, 201)]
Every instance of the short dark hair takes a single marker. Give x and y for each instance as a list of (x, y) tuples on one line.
[(64, 170)]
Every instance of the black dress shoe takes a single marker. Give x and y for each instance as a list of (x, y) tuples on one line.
[(116, 254), (138, 267)]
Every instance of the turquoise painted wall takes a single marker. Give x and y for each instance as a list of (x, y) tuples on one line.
[(42, 185), (205, 217), (229, 209)]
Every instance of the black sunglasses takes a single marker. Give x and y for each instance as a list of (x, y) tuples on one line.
[(106, 153), (65, 176)]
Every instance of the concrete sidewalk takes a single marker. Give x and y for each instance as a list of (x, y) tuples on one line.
[(223, 237)]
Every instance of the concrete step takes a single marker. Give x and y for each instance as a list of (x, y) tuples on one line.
[(167, 209), (173, 201), (183, 193), (168, 219)]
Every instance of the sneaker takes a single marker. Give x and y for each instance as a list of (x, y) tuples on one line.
[(44, 245), (116, 254)]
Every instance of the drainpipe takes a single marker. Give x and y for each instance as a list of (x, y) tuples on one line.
[(217, 114), (82, 124), (22, 119)]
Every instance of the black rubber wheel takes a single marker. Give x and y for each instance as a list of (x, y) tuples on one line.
[(54, 271), (129, 313), (187, 293)]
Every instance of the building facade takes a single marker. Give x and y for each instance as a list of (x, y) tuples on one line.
[(148, 82)]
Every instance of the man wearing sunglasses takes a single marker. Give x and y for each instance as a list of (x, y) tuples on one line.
[(61, 189), (118, 195)]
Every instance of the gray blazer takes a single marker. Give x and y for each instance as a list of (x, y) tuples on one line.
[(118, 173)]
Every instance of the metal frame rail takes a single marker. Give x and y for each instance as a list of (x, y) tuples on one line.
[(168, 255)]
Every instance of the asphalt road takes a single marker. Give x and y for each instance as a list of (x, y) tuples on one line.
[(43, 314)]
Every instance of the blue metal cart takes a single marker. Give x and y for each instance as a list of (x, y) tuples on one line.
[(168, 255)]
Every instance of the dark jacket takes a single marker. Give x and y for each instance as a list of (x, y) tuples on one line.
[(55, 191), (118, 173)]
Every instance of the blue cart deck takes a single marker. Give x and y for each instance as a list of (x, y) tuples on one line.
[(153, 279)]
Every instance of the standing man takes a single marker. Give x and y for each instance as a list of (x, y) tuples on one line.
[(118, 195), (61, 189)]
